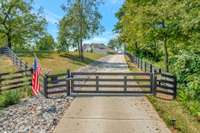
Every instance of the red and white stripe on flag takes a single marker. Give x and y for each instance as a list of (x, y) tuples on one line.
[(35, 78)]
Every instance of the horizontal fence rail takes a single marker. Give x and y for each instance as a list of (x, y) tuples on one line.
[(100, 80), (56, 84), (19, 79), (95, 82), (165, 82), (15, 59)]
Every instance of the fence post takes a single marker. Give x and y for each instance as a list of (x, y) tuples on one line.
[(175, 87), (141, 63), (68, 82), (125, 83), (151, 68), (145, 66), (154, 87), (160, 70), (26, 66), (20, 64), (45, 85), (152, 81), (138, 62), (97, 83)]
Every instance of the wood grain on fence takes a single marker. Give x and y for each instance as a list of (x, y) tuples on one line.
[(10, 81)]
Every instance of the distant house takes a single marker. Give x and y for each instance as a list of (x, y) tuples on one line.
[(97, 48)]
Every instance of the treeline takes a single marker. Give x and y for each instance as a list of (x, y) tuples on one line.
[(167, 32), (24, 28)]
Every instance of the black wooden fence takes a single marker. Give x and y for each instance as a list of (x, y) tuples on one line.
[(21, 65), (73, 83), (165, 82), (55, 84), (19, 79)]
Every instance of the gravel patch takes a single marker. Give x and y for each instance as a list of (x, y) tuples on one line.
[(34, 115), (39, 114)]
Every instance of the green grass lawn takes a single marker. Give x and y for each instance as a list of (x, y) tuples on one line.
[(6, 64), (59, 62), (51, 62), (172, 109)]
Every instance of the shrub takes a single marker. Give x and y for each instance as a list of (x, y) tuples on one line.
[(9, 98), (187, 70)]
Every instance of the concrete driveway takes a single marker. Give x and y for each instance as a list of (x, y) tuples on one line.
[(106, 114)]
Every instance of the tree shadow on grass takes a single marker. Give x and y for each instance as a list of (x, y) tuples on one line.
[(76, 59), (38, 54), (96, 63)]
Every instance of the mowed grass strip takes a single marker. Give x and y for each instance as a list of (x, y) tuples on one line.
[(6, 64), (54, 62), (171, 109)]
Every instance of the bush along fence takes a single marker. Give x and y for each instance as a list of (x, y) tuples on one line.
[(166, 83), (19, 79), (16, 60)]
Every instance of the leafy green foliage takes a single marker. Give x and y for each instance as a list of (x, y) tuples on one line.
[(9, 98), (167, 31), (13, 96), (115, 44), (19, 24), (46, 43), (81, 21)]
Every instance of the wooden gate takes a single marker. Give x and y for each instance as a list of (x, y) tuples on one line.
[(113, 83), (100, 83)]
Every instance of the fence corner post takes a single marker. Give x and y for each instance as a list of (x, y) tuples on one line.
[(68, 82), (45, 85)]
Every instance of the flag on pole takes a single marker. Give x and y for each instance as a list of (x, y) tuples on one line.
[(35, 77)]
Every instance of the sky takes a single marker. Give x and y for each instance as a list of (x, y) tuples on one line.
[(53, 13)]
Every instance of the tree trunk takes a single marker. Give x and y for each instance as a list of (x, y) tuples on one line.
[(81, 30), (9, 43), (166, 58), (155, 50), (81, 50)]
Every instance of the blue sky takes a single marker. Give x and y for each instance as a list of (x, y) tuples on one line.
[(53, 12)]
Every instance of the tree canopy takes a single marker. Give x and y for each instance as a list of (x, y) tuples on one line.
[(19, 24), (156, 28), (46, 43), (167, 32), (81, 21), (115, 44)]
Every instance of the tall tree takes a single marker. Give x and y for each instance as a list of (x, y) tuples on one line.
[(18, 22), (115, 44), (151, 22), (46, 43), (81, 21)]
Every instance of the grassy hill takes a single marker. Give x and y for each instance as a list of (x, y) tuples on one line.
[(54, 62), (6, 64)]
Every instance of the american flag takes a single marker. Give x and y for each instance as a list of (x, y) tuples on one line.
[(35, 77)]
